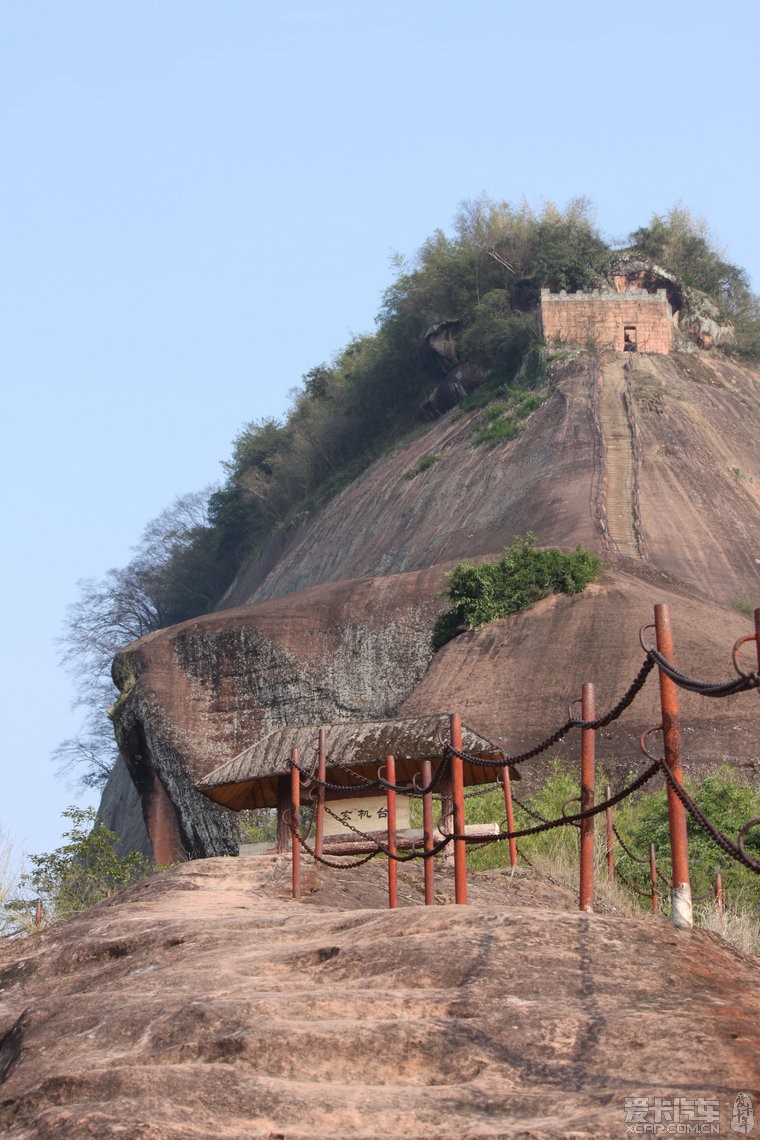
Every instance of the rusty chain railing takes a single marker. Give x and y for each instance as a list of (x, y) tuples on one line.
[(452, 755)]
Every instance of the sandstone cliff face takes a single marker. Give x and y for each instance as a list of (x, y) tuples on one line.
[(206, 689), (513, 679), (121, 812), (697, 420), (470, 503), (333, 622)]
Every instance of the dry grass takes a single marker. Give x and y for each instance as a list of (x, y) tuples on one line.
[(562, 868), (554, 857), (10, 874), (739, 926)]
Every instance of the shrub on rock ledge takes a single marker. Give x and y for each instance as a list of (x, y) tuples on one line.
[(491, 590)]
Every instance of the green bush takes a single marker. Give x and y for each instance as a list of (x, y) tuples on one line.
[(259, 825), (743, 606), (728, 803), (727, 800), (496, 336), (492, 389), (557, 795), (499, 428), (491, 590), (80, 873)]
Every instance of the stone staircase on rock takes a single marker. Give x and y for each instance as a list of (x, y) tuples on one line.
[(620, 460)]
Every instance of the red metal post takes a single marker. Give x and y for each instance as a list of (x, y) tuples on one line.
[(295, 813), (321, 770), (653, 875), (390, 775), (610, 836), (510, 816), (719, 891), (457, 791), (426, 773), (588, 741), (671, 734)]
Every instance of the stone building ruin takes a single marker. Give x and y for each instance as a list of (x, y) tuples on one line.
[(634, 321)]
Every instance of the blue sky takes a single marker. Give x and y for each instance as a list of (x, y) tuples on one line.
[(200, 201)]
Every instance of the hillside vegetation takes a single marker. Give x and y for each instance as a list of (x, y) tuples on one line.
[(480, 594), (487, 278)]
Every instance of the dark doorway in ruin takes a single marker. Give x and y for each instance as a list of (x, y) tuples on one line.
[(629, 338)]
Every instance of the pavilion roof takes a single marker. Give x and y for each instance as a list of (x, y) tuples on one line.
[(352, 748)]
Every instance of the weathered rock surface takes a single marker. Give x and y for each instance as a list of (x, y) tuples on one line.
[(205, 1003), (333, 622), (121, 811), (206, 689), (700, 472), (470, 503), (698, 418), (513, 679)]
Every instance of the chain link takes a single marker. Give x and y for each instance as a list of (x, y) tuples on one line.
[(638, 858), (743, 683), (381, 848), (573, 722), (740, 684), (483, 790), (626, 848), (632, 886), (529, 811), (725, 844)]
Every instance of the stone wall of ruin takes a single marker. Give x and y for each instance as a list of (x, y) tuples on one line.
[(601, 319)]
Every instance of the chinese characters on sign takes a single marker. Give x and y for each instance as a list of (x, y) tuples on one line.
[(370, 813)]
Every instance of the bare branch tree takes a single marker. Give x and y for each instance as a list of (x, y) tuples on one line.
[(110, 613)]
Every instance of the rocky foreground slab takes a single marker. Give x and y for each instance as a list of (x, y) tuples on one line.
[(206, 1003)]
